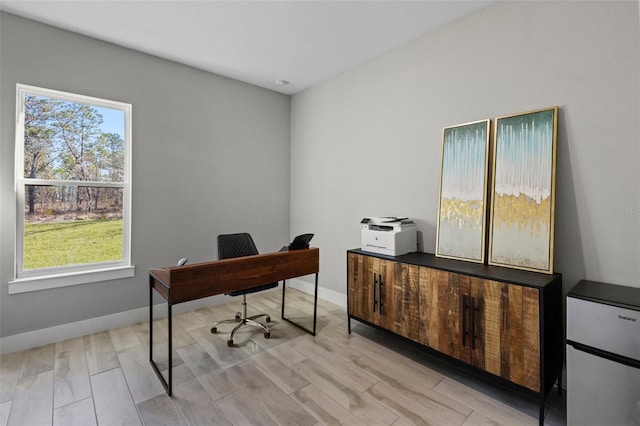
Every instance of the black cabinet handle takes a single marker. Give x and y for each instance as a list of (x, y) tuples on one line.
[(375, 284), (474, 309), (464, 320), (380, 291)]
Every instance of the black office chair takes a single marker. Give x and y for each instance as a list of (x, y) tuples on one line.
[(239, 245)]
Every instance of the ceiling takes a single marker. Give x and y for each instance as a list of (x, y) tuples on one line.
[(258, 42)]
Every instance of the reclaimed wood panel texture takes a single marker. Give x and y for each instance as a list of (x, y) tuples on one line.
[(444, 314), (531, 336), (360, 297), (409, 325), (508, 333), (426, 305), (372, 272)]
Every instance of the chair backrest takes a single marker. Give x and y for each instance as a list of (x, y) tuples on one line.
[(236, 245)]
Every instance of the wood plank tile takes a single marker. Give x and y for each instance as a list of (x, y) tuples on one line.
[(71, 379), (281, 333), (336, 346), (414, 385), (80, 413), (160, 411), (279, 373), (189, 320), (241, 410), (283, 409), (286, 355), (181, 374), (350, 374), (196, 406), (206, 316), (217, 347), (5, 409), (411, 378), (160, 344), (402, 422), (268, 396), (123, 338), (33, 400), (10, 369), (101, 355), (390, 359), (477, 419), (323, 408), (180, 336), (112, 400), (483, 404), (198, 360), (218, 384), (359, 404), (141, 331), (423, 411), (38, 360), (141, 379)]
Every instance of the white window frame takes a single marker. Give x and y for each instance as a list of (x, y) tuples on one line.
[(45, 278)]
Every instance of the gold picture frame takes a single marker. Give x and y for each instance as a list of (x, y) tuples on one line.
[(462, 212), (521, 230)]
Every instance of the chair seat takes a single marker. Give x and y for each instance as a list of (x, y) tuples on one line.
[(252, 289), (239, 245)]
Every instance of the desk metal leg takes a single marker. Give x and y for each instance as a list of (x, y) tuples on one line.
[(315, 308), (167, 386)]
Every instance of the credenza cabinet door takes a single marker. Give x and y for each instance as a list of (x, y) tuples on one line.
[(491, 325), (445, 319), (360, 288), (370, 289), (402, 315), (506, 331)]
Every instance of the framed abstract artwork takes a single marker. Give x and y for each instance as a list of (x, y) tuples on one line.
[(463, 192), (523, 191)]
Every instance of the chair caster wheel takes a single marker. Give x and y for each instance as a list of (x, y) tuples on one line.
[(229, 343), (214, 330), (267, 335), (238, 317), (268, 319)]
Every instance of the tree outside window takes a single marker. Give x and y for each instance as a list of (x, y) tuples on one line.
[(73, 190)]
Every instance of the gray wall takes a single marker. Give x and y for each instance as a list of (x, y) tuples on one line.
[(210, 155), (368, 142)]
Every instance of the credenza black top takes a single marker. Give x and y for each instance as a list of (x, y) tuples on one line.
[(496, 273)]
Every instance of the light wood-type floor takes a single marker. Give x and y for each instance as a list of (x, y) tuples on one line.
[(292, 378)]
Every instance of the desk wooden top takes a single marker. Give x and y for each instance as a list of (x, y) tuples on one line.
[(189, 282)]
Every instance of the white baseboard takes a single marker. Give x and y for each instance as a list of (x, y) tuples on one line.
[(32, 339), (332, 296)]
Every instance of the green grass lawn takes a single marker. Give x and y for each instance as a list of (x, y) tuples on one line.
[(50, 244)]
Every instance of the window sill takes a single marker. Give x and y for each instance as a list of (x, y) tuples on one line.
[(24, 285)]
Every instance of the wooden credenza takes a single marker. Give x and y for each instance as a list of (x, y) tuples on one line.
[(503, 323)]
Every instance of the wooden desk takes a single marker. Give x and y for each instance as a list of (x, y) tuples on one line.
[(179, 284)]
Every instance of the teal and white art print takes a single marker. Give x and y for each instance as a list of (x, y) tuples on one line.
[(463, 192), (523, 191)]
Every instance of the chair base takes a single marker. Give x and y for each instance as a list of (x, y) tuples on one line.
[(242, 319)]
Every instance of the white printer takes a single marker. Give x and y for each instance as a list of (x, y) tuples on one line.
[(393, 236)]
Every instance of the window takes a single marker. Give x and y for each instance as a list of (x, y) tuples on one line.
[(73, 189)]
